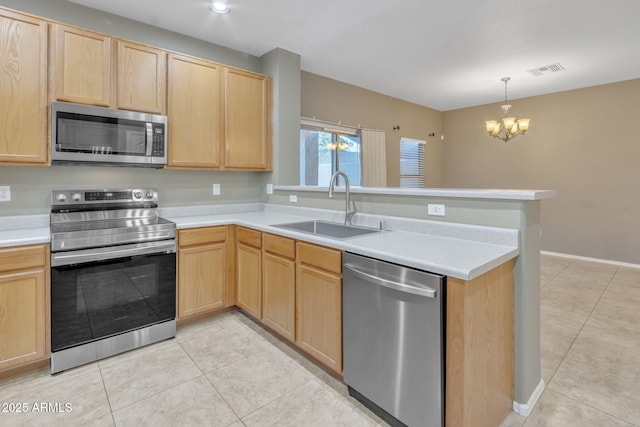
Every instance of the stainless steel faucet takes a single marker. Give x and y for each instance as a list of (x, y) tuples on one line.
[(348, 215)]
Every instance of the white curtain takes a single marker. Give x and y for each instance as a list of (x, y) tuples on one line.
[(374, 158)]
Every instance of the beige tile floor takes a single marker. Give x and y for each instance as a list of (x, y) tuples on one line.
[(590, 324), (227, 371)]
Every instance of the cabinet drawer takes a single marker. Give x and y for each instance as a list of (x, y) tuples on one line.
[(279, 245), (320, 256), (198, 236), (21, 257), (249, 237)]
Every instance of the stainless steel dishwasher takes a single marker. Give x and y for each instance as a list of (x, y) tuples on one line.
[(393, 340)]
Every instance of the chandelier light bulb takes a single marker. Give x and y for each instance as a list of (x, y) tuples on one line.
[(524, 124), (508, 122)]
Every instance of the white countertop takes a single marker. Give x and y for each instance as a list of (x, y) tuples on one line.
[(25, 236), (465, 258), (457, 250), (24, 230)]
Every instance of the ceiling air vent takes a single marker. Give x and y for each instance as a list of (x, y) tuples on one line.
[(547, 69)]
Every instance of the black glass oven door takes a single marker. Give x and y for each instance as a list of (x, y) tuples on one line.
[(98, 299)]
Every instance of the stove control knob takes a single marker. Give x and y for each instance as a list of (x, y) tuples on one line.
[(137, 194), (61, 197), (150, 194), (76, 197)]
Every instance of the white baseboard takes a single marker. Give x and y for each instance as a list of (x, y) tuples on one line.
[(584, 258), (525, 409)]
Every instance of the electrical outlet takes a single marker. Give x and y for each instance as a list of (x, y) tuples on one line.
[(293, 198), (269, 188), (5, 193), (435, 210), (216, 189)]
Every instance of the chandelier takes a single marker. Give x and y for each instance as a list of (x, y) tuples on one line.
[(510, 126)]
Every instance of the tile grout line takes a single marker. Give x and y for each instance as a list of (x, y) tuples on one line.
[(266, 403), (594, 408), (220, 367), (557, 274), (151, 395), (585, 321), (106, 393), (279, 397)]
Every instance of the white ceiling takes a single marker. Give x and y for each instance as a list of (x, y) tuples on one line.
[(443, 54)]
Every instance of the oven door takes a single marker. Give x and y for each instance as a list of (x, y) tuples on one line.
[(102, 292)]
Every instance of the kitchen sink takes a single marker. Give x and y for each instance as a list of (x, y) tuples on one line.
[(328, 229)]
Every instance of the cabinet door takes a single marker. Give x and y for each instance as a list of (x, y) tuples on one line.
[(201, 278), (141, 78), (319, 315), (194, 111), (23, 89), (81, 66), (22, 317), (278, 294), (247, 120), (249, 270)]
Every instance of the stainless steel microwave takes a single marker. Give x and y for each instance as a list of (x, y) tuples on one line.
[(83, 134)]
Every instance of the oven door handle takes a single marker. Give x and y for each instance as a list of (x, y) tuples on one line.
[(100, 254)]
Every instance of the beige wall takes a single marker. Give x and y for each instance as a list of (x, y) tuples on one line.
[(582, 143), (334, 101)]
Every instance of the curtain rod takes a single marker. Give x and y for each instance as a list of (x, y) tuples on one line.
[(334, 124)]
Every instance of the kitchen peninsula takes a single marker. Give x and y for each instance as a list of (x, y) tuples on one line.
[(483, 229)]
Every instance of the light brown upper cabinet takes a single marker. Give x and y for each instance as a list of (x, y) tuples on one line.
[(23, 89), (95, 69), (247, 132), (80, 66), (195, 113), (141, 78)]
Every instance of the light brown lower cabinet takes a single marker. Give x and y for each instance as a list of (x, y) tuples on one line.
[(295, 289), (278, 285), (202, 270), (319, 303), (249, 271), (479, 330), (24, 305)]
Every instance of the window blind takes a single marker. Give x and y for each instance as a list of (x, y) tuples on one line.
[(411, 163)]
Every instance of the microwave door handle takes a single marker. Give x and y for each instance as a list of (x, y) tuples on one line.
[(149, 139)]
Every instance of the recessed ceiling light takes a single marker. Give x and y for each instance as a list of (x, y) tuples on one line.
[(218, 7)]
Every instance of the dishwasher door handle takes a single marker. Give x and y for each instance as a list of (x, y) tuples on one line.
[(402, 287)]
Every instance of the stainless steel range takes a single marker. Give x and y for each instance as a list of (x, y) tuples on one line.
[(113, 274)]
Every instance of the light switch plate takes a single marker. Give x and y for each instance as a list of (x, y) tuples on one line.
[(216, 189), (5, 193), (269, 188), (293, 198)]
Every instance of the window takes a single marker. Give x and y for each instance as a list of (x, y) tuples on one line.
[(323, 151), (411, 163)]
